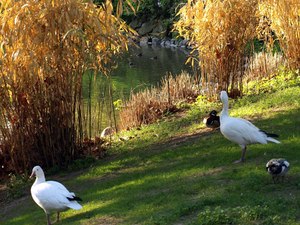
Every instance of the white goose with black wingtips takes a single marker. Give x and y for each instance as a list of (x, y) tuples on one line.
[(52, 196), (241, 131)]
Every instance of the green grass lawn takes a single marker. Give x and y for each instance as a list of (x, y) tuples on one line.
[(177, 172)]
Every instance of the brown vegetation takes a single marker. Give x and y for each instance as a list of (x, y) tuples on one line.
[(262, 65), (151, 104), (219, 32), (284, 21), (46, 46)]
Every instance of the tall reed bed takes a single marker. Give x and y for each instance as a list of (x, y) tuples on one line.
[(46, 46), (284, 21), (219, 32), (151, 104), (263, 65)]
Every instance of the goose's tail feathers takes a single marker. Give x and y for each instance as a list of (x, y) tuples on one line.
[(74, 205), (273, 140), (270, 137), (269, 134)]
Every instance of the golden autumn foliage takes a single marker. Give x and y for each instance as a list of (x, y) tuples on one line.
[(45, 47), (219, 30), (284, 17)]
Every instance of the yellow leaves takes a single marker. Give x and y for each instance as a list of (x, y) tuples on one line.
[(130, 5), (220, 30), (119, 8), (15, 54), (69, 26), (108, 7), (24, 6), (213, 20), (78, 32), (5, 4), (43, 44), (284, 20), (2, 48)]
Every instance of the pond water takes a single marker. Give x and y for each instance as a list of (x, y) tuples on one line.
[(137, 69)]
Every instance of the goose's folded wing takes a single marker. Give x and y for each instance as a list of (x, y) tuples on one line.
[(52, 194), (243, 132)]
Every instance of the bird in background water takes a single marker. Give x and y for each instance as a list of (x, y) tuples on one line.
[(241, 131)]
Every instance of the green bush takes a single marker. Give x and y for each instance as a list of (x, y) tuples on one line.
[(165, 9), (283, 79), (17, 186)]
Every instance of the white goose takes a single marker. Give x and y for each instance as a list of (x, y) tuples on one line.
[(241, 131), (52, 196)]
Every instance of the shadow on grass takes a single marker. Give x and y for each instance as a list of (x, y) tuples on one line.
[(177, 181), (168, 182)]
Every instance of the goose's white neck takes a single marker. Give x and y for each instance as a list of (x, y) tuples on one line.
[(224, 111), (39, 179)]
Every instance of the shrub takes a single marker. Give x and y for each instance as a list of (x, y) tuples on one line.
[(263, 65), (280, 80), (151, 104), (17, 186), (284, 21), (219, 31), (46, 46)]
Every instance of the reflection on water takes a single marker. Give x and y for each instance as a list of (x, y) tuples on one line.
[(137, 69)]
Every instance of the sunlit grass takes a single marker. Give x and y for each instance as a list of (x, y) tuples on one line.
[(148, 180)]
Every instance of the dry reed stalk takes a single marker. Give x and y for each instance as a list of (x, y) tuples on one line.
[(181, 86), (46, 46), (151, 104), (219, 31)]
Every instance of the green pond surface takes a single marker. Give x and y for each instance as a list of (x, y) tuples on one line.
[(137, 69)]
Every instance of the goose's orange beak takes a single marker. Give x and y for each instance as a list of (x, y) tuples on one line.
[(32, 174)]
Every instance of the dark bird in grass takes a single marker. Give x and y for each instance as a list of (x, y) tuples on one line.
[(212, 121), (153, 58), (277, 168), (139, 54), (130, 62)]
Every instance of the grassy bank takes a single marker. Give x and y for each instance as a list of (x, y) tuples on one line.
[(178, 172)]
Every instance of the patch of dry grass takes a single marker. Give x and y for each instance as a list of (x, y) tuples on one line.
[(151, 104), (263, 65)]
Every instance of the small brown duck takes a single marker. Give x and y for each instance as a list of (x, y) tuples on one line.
[(212, 121)]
